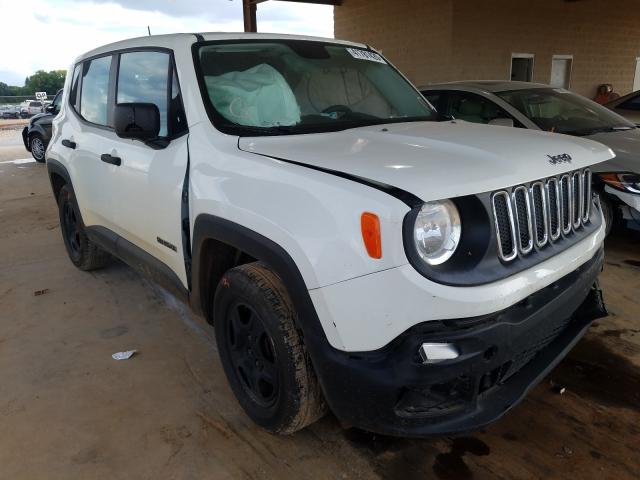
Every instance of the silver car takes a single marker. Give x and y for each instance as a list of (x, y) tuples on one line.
[(542, 107)]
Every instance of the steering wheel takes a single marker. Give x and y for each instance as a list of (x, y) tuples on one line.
[(337, 109)]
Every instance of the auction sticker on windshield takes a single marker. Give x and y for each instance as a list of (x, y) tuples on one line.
[(366, 55)]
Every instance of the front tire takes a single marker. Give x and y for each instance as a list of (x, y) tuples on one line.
[(262, 352), (84, 254), (38, 147)]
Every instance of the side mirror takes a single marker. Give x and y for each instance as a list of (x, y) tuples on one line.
[(502, 122), (50, 108), (136, 120)]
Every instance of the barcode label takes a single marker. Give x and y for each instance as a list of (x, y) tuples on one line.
[(366, 55)]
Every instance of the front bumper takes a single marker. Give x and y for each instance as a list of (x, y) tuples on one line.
[(25, 138), (502, 356)]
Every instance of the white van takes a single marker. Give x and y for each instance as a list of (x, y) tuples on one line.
[(352, 251)]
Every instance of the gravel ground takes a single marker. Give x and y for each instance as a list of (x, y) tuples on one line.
[(68, 411)]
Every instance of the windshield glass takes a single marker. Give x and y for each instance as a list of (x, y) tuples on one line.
[(558, 110), (286, 87)]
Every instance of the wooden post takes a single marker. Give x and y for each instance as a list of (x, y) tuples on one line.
[(249, 14)]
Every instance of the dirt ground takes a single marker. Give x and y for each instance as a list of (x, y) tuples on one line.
[(68, 411)]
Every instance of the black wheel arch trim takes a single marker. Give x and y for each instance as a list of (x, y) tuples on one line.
[(39, 129), (54, 167), (210, 227)]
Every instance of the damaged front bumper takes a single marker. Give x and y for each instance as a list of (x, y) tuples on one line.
[(500, 357)]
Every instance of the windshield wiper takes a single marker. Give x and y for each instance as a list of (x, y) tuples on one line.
[(249, 130), (593, 131)]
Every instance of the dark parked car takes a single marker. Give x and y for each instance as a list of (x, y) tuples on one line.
[(37, 133)]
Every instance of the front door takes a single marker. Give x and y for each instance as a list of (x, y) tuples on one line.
[(151, 175)]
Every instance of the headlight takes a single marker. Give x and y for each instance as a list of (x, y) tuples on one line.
[(436, 232), (627, 182)]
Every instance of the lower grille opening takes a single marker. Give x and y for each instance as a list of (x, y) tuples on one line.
[(437, 399)]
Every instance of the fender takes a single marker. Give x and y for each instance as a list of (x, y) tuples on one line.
[(38, 128), (210, 227)]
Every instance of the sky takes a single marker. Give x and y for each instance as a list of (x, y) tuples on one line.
[(49, 34)]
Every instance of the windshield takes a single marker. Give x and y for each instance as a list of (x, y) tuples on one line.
[(287, 87), (558, 110)]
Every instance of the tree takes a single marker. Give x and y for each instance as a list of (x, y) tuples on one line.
[(42, 81)]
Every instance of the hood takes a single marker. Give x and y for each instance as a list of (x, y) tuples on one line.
[(626, 146), (435, 160)]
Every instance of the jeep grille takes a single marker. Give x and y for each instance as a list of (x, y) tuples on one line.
[(541, 213)]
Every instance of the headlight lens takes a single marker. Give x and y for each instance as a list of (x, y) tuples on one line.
[(436, 232), (628, 182)]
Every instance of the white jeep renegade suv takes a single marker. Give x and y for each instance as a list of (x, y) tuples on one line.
[(353, 251)]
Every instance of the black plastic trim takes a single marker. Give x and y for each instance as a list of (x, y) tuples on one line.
[(138, 259), (364, 388), (266, 250)]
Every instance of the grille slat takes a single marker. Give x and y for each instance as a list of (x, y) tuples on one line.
[(541, 213), (553, 196), (577, 204), (565, 204), (523, 219), (505, 228), (586, 197)]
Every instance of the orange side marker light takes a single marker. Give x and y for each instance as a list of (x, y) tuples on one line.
[(370, 226)]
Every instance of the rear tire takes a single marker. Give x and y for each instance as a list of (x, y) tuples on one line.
[(262, 352), (38, 147), (84, 254)]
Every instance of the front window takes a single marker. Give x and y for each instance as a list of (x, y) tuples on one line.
[(143, 78), (560, 111), (286, 87)]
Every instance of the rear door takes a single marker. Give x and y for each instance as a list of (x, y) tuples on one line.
[(84, 134), (150, 178)]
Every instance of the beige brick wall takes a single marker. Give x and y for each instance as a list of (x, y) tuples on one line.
[(445, 40)]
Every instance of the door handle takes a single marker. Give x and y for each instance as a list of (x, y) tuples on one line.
[(69, 144), (105, 157)]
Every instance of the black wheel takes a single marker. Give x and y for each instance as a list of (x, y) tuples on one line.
[(38, 147), (262, 352), (83, 253), (608, 212)]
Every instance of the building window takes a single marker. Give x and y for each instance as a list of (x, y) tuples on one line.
[(561, 66), (522, 67)]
